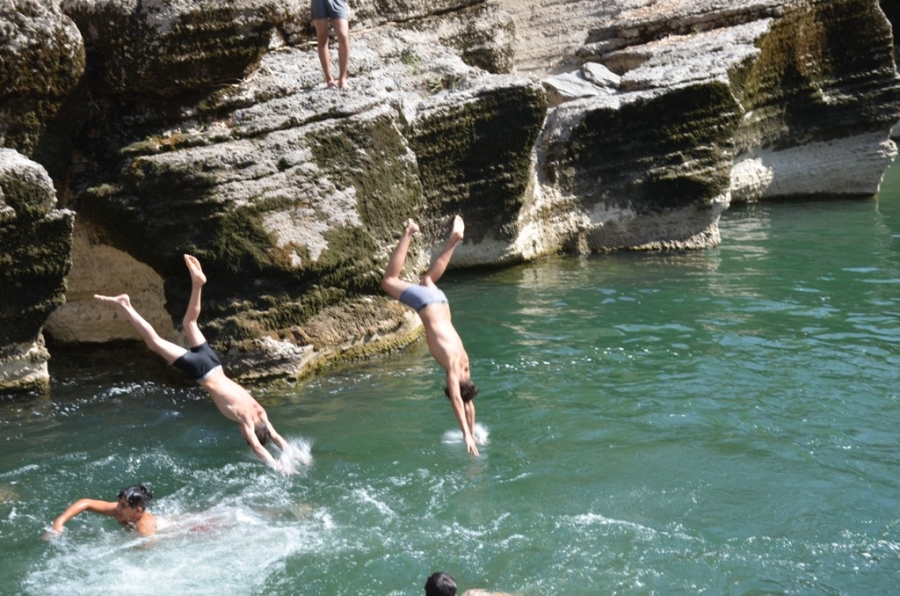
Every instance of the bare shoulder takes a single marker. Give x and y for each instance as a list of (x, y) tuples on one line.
[(480, 592), (146, 526)]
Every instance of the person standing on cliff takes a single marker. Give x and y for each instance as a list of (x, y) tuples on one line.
[(444, 342), (336, 11), (203, 365)]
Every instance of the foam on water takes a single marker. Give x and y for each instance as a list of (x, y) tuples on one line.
[(455, 435), (234, 535), (187, 554), (298, 453)]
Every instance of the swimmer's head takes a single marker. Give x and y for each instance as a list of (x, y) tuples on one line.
[(262, 432), (440, 584), (136, 496), (467, 390)]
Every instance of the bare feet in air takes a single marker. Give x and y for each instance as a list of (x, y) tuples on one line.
[(121, 301), (193, 265), (459, 228)]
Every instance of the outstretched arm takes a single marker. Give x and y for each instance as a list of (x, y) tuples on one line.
[(469, 407), (276, 438), (459, 410), (92, 505), (257, 447)]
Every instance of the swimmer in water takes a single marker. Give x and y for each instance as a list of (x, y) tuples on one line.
[(203, 365), (443, 584), (444, 342), (130, 510)]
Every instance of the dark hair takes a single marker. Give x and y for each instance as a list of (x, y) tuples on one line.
[(440, 584), (262, 432), (136, 496), (467, 391)]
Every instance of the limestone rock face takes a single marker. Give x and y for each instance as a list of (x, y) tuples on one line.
[(293, 195), (42, 60), (167, 46), (35, 246), (760, 100), (892, 12), (98, 268), (204, 127)]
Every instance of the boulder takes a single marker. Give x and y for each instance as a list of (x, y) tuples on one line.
[(760, 100), (164, 47), (35, 246), (42, 62)]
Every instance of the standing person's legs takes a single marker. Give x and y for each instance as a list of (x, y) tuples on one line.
[(342, 32), (322, 44), (391, 282), (168, 350), (439, 265)]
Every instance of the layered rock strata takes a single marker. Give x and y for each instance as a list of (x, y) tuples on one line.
[(291, 194), (41, 81), (892, 12), (35, 246), (204, 127), (736, 101)]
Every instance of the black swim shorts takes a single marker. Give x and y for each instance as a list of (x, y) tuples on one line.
[(198, 362)]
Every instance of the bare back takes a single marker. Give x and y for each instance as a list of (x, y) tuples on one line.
[(233, 401)]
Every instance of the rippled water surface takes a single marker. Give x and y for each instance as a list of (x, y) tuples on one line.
[(715, 422)]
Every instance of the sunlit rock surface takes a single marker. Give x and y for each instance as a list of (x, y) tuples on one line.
[(204, 127), (715, 102), (42, 92), (35, 246)]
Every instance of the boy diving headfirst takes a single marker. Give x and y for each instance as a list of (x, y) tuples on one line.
[(203, 365), (444, 342)]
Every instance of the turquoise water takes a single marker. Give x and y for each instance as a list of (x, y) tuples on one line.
[(719, 422)]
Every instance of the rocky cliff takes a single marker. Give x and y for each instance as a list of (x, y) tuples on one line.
[(171, 126), (892, 12)]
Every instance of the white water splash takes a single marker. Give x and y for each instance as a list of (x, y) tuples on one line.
[(298, 453), (456, 436)]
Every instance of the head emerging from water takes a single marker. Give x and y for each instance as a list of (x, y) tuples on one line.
[(467, 390), (136, 496), (440, 584)]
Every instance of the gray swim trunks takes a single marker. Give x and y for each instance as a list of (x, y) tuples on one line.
[(329, 9), (418, 297)]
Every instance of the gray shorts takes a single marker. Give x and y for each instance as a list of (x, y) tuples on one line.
[(329, 9), (418, 297)]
